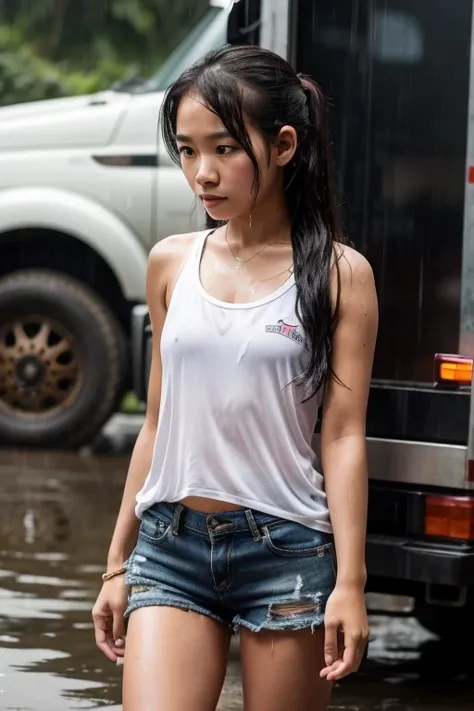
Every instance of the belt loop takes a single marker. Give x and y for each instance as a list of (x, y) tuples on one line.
[(176, 519), (257, 536)]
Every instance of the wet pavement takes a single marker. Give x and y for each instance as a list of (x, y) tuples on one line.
[(57, 512)]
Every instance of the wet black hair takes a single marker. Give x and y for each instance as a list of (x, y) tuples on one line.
[(240, 83)]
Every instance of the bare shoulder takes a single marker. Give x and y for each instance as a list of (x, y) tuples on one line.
[(354, 275), (353, 289), (168, 255), (165, 262), (171, 249), (353, 266)]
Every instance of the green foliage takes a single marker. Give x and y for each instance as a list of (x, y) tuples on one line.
[(56, 48)]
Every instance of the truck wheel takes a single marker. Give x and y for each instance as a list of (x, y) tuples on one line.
[(62, 360)]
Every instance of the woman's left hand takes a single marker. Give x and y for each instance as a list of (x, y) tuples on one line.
[(346, 631)]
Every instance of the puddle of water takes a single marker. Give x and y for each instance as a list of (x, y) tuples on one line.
[(57, 515), (57, 512), (38, 690)]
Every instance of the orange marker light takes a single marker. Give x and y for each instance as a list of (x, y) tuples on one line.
[(455, 369), (450, 517)]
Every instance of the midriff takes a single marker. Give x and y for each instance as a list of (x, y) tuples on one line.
[(205, 505)]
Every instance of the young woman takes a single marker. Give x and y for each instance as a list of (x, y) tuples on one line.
[(256, 324)]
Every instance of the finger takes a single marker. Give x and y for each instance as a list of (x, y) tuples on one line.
[(118, 625), (362, 650), (105, 645), (330, 644), (351, 650), (326, 671), (119, 647), (119, 633), (337, 671), (103, 636), (349, 662)]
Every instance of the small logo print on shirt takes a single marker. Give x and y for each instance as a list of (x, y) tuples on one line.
[(284, 329)]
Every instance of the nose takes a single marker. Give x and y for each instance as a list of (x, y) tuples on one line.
[(207, 173)]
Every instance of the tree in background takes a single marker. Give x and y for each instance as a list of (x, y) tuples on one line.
[(51, 48)]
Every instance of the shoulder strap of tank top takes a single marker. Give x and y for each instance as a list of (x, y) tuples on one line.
[(190, 269), (197, 250)]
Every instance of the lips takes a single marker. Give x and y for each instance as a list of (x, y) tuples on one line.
[(210, 201)]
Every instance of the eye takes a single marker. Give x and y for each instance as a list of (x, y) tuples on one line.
[(186, 151), (225, 150)]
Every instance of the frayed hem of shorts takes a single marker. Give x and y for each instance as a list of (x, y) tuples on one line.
[(286, 624), (186, 607)]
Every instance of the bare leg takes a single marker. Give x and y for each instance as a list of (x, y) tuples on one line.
[(174, 660), (280, 671)]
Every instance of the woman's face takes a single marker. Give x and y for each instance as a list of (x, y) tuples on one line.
[(216, 167)]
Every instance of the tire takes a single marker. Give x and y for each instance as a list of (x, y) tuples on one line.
[(63, 359)]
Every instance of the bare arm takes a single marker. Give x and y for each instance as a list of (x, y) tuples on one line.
[(164, 263), (343, 432)]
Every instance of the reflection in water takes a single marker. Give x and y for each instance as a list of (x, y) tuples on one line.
[(57, 515)]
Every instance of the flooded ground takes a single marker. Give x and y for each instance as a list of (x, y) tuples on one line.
[(56, 516)]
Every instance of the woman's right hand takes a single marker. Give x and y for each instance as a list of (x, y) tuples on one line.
[(108, 619)]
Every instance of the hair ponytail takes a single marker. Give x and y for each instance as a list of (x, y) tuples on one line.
[(279, 97), (315, 229)]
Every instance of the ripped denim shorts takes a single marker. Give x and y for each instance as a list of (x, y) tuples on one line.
[(241, 568)]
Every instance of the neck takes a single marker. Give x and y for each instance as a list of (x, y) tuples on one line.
[(269, 222)]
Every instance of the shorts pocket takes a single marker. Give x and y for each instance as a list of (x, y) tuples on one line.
[(294, 540), (153, 528)]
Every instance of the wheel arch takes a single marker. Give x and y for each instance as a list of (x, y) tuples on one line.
[(40, 248), (39, 210)]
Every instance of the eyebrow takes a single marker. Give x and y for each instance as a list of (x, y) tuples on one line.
[(211, 136)]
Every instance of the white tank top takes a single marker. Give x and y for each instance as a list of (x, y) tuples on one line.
[(231, 425)]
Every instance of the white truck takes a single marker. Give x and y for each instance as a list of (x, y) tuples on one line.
[(85, 192)]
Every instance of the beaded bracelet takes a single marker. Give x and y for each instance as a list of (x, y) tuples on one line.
[(113, 573)]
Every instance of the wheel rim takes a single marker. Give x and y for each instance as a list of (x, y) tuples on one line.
[(40, 367)]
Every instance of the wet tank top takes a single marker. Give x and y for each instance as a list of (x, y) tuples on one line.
[(232, 425)]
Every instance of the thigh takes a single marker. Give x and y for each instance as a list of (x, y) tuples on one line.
[(280, 670), (174, 660)]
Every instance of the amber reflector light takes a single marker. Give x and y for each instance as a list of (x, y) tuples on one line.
[(450, 517), (455, 369)]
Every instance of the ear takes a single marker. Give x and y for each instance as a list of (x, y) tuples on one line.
[(286, 143)]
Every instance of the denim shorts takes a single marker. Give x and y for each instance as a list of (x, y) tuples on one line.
[(241, 568)]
